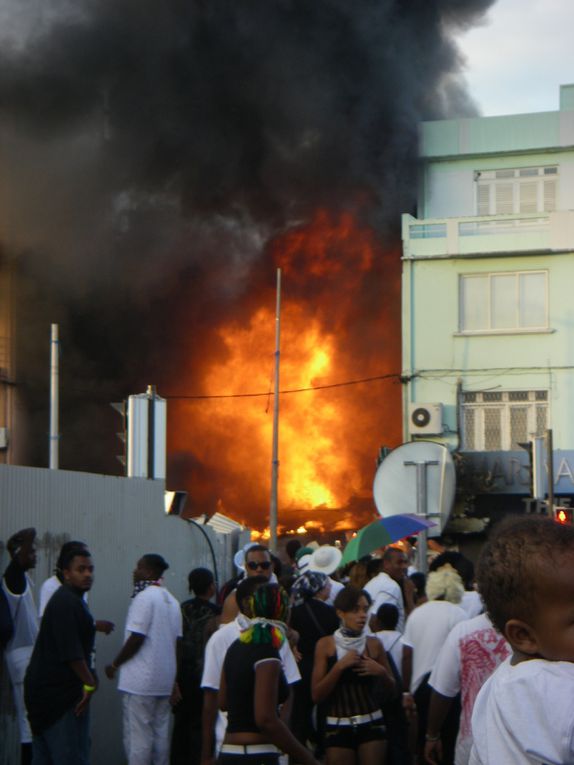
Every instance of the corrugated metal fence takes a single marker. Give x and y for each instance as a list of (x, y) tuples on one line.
[(120, 519)]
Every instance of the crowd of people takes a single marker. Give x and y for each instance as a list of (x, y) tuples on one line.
[(368, 664)]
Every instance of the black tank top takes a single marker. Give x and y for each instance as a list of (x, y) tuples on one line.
[(353, 694), (239, 668)]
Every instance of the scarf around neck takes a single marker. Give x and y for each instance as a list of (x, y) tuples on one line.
[(348, 640), (144, 584)]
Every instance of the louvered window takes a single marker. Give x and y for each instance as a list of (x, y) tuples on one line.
[(519, 190), (497, 423)]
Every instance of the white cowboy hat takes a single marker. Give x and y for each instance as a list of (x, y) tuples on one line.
[(325, 559)]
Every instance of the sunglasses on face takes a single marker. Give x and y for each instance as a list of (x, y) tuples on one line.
[(254, 565)]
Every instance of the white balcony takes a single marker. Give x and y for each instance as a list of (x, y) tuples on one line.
[(493, 234)]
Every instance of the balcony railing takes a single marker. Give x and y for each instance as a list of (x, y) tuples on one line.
[(489, 234)]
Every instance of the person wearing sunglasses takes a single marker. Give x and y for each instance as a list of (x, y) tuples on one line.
[(257, 563)]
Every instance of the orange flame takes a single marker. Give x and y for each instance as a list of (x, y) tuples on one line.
[(339, 323)]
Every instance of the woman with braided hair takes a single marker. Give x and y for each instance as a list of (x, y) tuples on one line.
[(253, 686)]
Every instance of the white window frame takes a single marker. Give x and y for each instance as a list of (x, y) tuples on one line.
[(517, 329), (479, 408), (512, 177)]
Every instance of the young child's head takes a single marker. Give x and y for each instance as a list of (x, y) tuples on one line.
[(387, 617), (526, 579)]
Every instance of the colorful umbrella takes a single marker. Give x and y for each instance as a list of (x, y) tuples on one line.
[(382, 532)]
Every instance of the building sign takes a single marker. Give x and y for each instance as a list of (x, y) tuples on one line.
[(509, 472)]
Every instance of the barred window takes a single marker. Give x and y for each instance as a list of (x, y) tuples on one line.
[(501, 420)]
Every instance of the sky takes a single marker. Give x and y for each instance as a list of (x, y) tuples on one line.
[(519, 57)]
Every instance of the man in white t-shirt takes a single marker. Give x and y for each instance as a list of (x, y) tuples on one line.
[(471, 653), (387, 586), (147, 664), (214, 724)]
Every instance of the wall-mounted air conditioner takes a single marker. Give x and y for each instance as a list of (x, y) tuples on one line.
[(425, 419)]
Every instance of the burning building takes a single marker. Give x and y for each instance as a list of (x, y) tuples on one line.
[(158, 162)]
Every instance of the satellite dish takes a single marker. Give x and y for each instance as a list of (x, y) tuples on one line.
[(417, 477)]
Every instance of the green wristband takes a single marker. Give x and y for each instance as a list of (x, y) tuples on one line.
[(89, 688)]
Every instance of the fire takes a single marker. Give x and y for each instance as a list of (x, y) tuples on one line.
[(339, 323)]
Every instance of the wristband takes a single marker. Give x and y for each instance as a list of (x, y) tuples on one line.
[(406, 693), (89, 688), (428, 737)]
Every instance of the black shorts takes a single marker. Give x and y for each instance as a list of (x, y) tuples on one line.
[(247, 759), (352, 736)]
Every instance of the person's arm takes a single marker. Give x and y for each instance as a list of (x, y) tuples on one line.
[(323, 681), (208, 718), (438, 710), (409, 590), (89, 684), (104, 626), (230, 608), (407, 672), (127, 652), (266, 719), (287, 707)]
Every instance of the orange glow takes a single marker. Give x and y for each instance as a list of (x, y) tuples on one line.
[(339, 322)]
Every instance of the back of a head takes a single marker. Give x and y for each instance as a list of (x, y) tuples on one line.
[(270, 601), (519, 550), (245, 590), (155, 563), (445, 584), (461, 564), (291, 548), (374, 567), (200, 580), (388, 616)]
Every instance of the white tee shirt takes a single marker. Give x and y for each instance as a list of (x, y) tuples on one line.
[(155, 613), (523, 715), (383, 589), (392, 643), (427, 629), (216, 649), (471, 653), (23, 612), (472, 603)]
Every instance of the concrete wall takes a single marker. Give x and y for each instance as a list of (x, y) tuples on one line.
[(120, 519)]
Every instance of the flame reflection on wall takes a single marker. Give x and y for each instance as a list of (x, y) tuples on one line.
[(340, 322)]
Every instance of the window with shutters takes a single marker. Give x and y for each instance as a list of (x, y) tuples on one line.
[(503, 301), (501, 420), (519, 190)]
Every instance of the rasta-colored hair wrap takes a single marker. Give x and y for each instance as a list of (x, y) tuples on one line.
[(267, 607)]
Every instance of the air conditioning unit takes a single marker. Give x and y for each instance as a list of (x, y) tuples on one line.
[(425, 419)]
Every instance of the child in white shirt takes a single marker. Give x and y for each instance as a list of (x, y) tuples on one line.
[(523, 714)]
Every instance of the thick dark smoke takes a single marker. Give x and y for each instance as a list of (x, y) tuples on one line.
[(150, 150)]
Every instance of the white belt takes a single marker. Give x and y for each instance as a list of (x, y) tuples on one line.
[(355, 719), (249, 749)]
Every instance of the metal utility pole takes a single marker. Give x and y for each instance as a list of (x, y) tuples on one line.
[(550, 471), (421, 467), (54, 438), (275, 457)]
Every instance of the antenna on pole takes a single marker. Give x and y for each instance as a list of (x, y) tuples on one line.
[(275, 457), (54, 438)]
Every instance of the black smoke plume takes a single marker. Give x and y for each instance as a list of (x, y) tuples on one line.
[(150, 150)]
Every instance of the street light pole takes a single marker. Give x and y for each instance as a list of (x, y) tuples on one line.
[(275, 450)]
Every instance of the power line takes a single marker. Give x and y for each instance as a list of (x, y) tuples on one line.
[(289, 390)]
